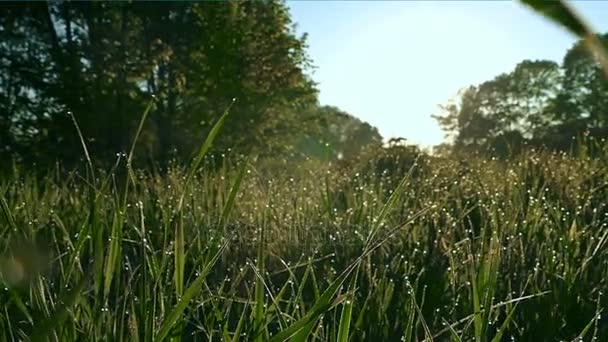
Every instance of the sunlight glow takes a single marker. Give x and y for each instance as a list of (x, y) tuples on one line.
[(392, 63)]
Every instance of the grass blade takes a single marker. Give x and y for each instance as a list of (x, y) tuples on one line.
[(347, 310), (304, 326), (189, 294), (180, 255), (389, 204), (559, 12), (42, 331), (563, 14), (7, 215), (84, 145), (233, 192), (138, 131), (259, 314), (202, 152), (179, 248), (114, 254)]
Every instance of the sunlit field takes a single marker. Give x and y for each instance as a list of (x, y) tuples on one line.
[(179, 171), (401, 248)]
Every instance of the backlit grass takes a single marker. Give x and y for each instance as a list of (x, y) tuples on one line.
[(457, 249)]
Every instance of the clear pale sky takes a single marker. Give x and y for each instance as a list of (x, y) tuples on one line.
[(392, 63)]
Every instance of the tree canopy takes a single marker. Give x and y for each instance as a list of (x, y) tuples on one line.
[(102, 64), (539, 103), (105, 62)]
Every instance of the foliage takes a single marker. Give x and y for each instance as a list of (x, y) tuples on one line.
[(356, 241), (539, 103), (103, 61)]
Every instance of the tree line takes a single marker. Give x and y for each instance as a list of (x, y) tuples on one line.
[(104, 63), (540, 103)]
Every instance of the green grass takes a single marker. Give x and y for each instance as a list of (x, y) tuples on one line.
[(467, 249)]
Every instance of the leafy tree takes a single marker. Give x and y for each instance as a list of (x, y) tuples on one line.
[(582, 106), (534, 104), (26, 79), (104, 61), (509, 109)]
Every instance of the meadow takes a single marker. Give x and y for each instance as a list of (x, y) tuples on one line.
[(391, 245), (460, 248)]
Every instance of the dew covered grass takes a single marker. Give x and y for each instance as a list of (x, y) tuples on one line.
[(445, 249)]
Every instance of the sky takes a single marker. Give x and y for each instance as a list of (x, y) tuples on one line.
[(393, 63)]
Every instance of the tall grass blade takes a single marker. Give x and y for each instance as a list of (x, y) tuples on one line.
[(202, 152), (304, 326), (587, 327), (179, 248), (346, 315), (180, 255), (560, 12), (175, 314), (379, 220), (114, 253), (411, 315), (84, 145), (8, 216), (140, 127), (233, 192), (21, 306), (239, 325), (505, 324), (259, 315), (347, 310)]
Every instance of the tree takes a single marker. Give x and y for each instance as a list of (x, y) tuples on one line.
[(104, 61), (26, 78), (506, 112), (583, 104)]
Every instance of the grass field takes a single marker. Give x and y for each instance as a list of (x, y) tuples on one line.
[(389, 248), (446, 249)]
